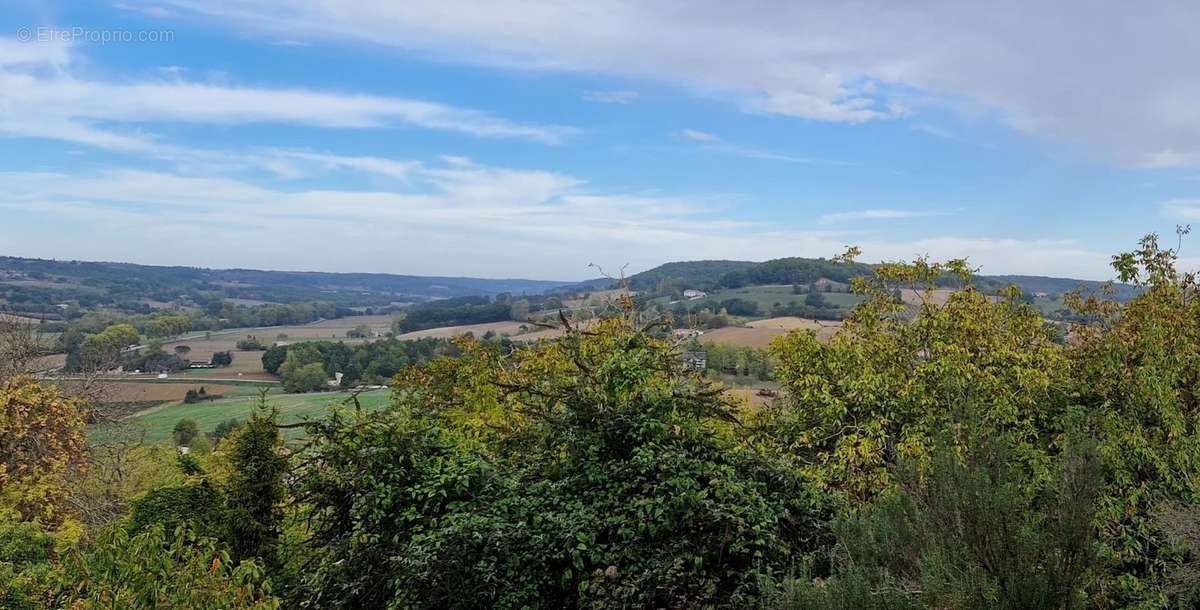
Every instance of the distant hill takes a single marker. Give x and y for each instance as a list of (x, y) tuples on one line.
[(39, 285), (698, 274), (708, 275), (1034, 284)]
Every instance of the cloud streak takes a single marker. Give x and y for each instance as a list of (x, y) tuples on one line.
[(878, 214), (1047, 69), (442, 216), (57, 105)]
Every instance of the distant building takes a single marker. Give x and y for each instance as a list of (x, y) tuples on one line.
[(687, 333), (201, 364), (696, 361), (692, 295)]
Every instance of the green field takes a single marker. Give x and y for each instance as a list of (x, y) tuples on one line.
[(158, 423), (767, 296)]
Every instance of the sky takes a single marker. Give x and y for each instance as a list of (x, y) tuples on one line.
[(533, 138)]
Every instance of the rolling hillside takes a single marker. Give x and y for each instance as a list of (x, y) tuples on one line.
[(710, 275), (38, 284)]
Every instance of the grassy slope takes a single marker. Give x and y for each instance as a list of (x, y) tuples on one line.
[(292, 407), (767, 296)]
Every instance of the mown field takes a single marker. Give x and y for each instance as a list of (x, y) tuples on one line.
[(766, 297), (760, 333), (158, 422)]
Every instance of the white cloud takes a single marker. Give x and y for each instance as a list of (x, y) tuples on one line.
[(59, 105), (449, 216), (699, 136), (1116, 81), (714, 143), (878, 214), (611, 97), (1182, 209)]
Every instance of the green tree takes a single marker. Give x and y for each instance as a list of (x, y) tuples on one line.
[(42, 442), (185, 431), (589, 472), (306, 378), (151, 570), (255, 489), (520, 310)]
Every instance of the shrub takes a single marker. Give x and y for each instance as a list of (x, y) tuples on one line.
[(591, 472)]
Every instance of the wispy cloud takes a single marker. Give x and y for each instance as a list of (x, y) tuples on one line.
[(58, 105), (711, 142), (853, 62), (696, 135), (1182, 209), (611, 97), (935, 131), (879, 214), (442, 216)]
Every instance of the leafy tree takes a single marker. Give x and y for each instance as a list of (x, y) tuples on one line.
[(306, 378), (255, 488), (362, 331), (520, 310), (250, 344), (167, 325), (888, 383), (185, 431), (151, 570), (42, 441), (814, 299), (222, 358), (225, 428), (590, 472)]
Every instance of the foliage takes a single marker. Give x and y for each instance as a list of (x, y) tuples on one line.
[(225, 428), (250, 344), (587, 472), (255, 487), (972, 534), (374, 362), (184, 432), (452, 312), (304, 378), (736, 359), (150, 570), (41, 442), (197, 504), (154, 360), (886, 385), (167, 325)]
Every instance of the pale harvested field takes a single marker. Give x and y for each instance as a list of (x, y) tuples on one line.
[(599, 296), (934, 297), (759, 334), (148, 392), (509, 327), (9, 318), (917, 297)]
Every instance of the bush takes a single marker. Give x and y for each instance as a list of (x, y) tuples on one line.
[(584, 473), (308, 378), (185, 432), (250, 344)]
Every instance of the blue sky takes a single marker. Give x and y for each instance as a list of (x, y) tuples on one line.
[(532, 138)]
